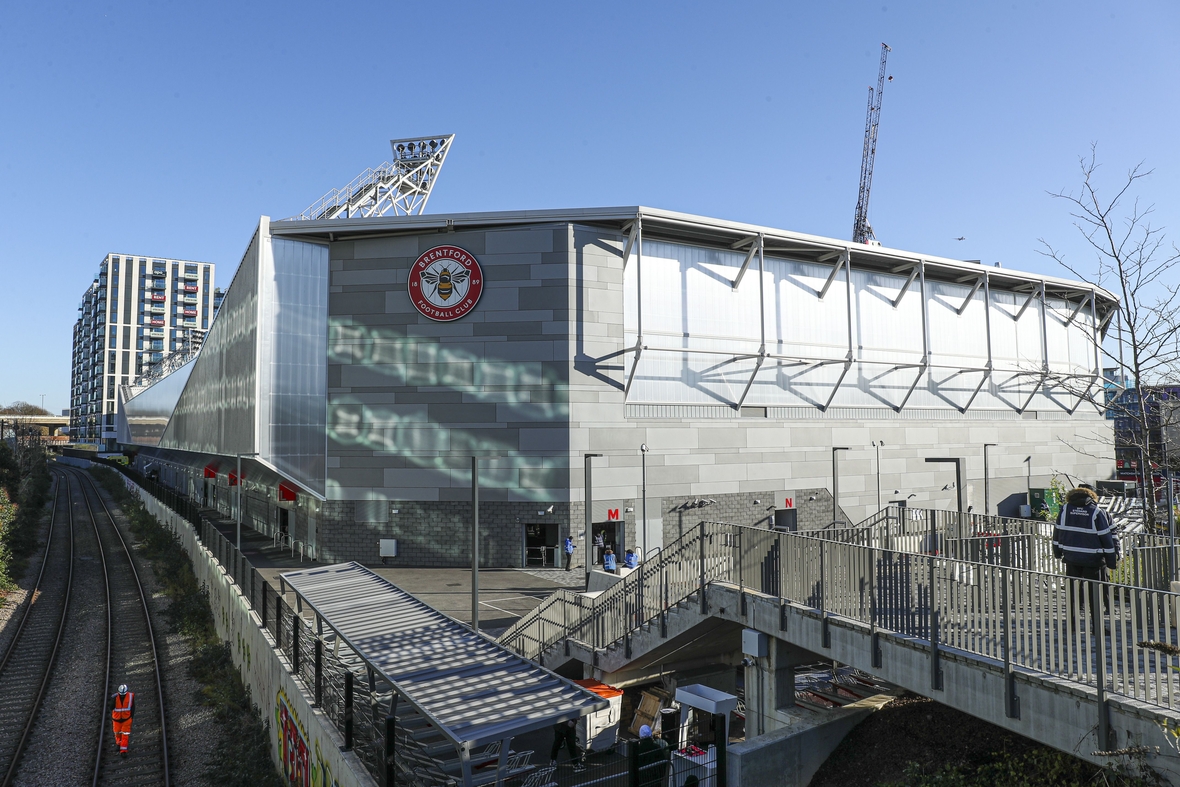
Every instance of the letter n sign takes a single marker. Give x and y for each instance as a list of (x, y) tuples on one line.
[(612, 514), (787, 500)]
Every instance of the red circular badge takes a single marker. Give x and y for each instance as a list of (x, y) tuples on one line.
[(445, 283)]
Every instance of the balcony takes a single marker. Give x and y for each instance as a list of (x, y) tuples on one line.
[(156, 310), (155, 334), (191, 288), (190, 299), (191, 277), (190, 312), (159, 274), (157, 321), (159, 296)]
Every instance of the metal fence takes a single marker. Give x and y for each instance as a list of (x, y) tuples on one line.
[(1025, 618)]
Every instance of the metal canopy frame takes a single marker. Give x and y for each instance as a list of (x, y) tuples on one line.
[(980, 281), (378, 621)]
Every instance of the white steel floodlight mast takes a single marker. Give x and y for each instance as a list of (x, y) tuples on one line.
[(402, 186)]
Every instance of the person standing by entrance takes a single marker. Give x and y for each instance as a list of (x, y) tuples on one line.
[(1083, 540), (121, 713), (569, 552)]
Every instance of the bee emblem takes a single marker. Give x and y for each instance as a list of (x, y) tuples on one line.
[(444, 281)]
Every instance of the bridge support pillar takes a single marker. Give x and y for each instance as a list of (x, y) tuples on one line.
[(770, 685)]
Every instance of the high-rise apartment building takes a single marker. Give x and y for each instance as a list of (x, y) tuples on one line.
[(135, 312)]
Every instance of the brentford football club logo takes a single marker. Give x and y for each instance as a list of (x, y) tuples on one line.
[(445, 283)]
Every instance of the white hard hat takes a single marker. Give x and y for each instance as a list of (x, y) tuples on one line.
[(122, 688)]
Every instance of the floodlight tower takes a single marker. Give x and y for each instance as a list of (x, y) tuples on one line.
[(861, 231), (402, 185)]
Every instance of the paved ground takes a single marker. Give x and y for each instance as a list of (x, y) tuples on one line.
[(505, 594)]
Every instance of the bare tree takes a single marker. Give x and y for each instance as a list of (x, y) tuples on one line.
[(23, 408), (1132, 259)]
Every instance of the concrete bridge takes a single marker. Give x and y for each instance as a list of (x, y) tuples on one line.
[(1008, 644)]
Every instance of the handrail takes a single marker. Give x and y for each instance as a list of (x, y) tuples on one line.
[(935, 597)]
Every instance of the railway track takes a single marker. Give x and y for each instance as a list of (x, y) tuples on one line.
[(131, 658), (27, 664)]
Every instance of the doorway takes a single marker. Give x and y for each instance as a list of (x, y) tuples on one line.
[(613, 535), (541, 545), (284, 521)]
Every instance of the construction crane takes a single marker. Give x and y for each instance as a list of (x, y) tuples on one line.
[(861, 231)]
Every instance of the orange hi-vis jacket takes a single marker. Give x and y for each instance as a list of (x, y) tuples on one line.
[(124, 706)]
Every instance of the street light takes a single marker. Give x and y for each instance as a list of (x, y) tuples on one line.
[(877, 445), (958, 463), (836, 484), (643, 538), (589, 514), (987, 481), (251, 453)]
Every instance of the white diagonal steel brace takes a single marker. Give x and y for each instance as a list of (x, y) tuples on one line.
[(844, 257), (631, 241), (755, 248), (839, 382), (913, 385), (1078, 309), (905, 287), (986, 375), (1106, 320), (1031, 296), (634, 368), (967, 301), (1036, 389), (750, 382), (1084, 394)]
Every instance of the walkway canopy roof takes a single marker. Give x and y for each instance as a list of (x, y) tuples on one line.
[(473, 689)]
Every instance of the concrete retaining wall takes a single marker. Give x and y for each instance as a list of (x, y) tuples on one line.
[(790, 756), (304, 743)]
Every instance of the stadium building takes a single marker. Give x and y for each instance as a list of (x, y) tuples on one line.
[(360, 362)]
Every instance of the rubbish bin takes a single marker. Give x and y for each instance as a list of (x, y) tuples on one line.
[(670, 727)]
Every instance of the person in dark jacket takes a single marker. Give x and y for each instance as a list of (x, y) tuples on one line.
[(1083, 539), (652, 758), (565, 733)]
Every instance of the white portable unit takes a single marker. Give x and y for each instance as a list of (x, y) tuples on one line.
[(599, 731)]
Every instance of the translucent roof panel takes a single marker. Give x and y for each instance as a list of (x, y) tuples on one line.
[(475, 690)]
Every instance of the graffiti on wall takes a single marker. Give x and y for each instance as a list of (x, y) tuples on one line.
[(302, 765)]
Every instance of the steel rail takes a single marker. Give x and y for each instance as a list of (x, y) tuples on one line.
[(34, 711), (34, 592), (150, 635)]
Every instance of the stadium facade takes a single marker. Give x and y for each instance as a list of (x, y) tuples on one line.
[(365, 361)]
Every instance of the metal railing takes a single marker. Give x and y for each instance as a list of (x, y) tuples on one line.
[(1026, 618), (334, 677)]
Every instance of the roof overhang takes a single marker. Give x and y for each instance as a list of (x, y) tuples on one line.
[(686, 227)]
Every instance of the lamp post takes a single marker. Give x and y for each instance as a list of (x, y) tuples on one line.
[(877, 445), (958, 463), (836, 483), (987, 481), (239, 517), (475, 543), (643, 536), (589, 537)]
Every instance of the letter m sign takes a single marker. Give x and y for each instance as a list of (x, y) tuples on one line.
[(612, 514)]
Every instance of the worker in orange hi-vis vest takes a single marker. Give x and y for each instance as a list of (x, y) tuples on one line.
[(121, 713)]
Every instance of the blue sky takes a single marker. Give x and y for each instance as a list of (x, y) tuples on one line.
[(167, 128)]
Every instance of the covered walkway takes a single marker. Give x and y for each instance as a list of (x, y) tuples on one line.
[(452, 698)]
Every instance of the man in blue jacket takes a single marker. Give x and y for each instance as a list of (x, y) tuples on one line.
[(1084, 540)]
